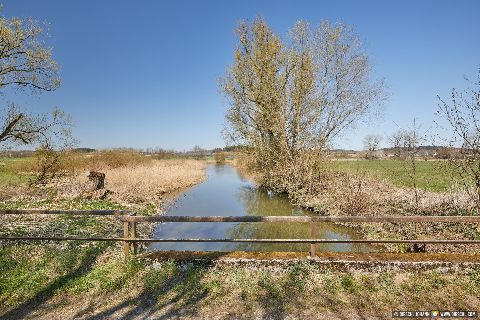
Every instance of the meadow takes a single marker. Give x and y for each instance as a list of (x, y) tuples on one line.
[(431, 175), (8, 176)]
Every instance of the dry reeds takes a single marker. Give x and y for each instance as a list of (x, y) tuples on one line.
[(151, 179)]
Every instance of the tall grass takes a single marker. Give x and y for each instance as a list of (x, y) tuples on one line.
[(130, 176), (152, 179)]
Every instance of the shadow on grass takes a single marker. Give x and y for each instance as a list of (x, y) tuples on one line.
[(179, 288), (84, 266), (175, 289)]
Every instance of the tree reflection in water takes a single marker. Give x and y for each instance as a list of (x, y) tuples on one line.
[(261, 202), (227, 192)]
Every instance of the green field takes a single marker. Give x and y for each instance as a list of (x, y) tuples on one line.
[(8, 176), (430, 175)]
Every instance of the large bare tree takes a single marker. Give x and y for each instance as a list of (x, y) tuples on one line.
[(289, 96)]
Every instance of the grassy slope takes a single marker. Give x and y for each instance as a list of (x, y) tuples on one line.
[(49, 285), (32, 272), (431, 175)]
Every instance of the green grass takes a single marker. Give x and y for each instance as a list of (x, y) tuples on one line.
[(77, 203), (33, 275), (39, 270), (9, 176), (64, 225), (431, 175)]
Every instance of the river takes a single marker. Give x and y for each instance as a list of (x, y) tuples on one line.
[(226, 193)]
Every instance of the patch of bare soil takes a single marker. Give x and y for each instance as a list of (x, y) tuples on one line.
[(322, 256)]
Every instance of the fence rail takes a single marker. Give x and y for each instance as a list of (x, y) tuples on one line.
[(69, 212), (374, 219), (243, 240), (130, 221)]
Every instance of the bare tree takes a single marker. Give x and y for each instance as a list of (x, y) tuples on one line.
[(25, 62), (410, 143), (462, 114), (371, 143), (396, 141), (289, 97)]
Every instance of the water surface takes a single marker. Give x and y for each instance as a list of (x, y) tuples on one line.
[(226, 193)]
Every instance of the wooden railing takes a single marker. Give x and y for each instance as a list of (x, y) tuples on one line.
[(130, 221)]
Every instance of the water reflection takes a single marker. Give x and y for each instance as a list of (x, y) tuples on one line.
[(261, 202), (227, 193)]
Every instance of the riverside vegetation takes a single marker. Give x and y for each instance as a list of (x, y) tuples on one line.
[(288, 99), (44, 280)]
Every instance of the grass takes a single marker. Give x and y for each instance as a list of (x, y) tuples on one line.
[(8, 176), (36, 272), (76, 203), (430, 174), (50, 278), (47, 279), (114, 288), (131, 178), (33, 272), (23, 278), (150, 180), (61, 225)]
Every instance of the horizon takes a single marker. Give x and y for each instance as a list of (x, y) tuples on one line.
[(147, 76)]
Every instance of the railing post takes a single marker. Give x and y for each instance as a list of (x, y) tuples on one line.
[(126, 234), (133, 235), (313, 245)]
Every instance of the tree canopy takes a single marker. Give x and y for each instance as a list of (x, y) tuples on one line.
[(26, 63), (293, 95)]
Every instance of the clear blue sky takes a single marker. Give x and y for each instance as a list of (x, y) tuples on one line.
[(145, 73)]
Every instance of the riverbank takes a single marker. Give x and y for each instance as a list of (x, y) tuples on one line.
[(32, 271), (201, 290), (333, 190), (75, 280)]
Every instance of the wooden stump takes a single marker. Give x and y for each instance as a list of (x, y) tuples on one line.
[(97, 180)]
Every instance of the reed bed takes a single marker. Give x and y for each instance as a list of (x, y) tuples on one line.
[(150, 180)]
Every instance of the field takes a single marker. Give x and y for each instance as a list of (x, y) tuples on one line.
[(30, 273), (430, 175), (9, 176)]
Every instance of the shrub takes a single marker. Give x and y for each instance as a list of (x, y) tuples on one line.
[(219, 157)]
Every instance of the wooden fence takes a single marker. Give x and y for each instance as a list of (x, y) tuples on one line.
[(130, 221)]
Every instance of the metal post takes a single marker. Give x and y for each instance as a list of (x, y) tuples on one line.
[(133, 235), (126, 245), (313, 245)]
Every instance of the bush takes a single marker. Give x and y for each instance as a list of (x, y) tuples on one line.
[(444, 153), (219, 157)]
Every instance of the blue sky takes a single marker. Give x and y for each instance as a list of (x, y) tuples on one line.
[(145, 73)]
